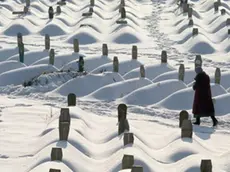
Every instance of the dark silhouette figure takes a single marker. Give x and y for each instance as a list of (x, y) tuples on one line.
[(203, 105)]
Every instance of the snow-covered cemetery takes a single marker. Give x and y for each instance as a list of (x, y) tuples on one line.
[(114, 85)]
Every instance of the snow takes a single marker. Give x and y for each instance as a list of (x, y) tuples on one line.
[(21, 75), (29, 116), (83, 86)]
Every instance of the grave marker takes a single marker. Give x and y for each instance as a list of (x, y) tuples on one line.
[(71, 99), (127, 161), (123, 13), (21, 52), (190, 23), (142, 71), (228, 22), (56, 154), (134, 52), (54, 170), (164, 56), (47, 42), (76, 45), (115, 64), (58, 10), (81, 64), (51, 57), (198, 61), (137, 168), (195, 31), (64, 124), (104, 50), (216, 6), (183, 116), (128, 138), (122, 111), (206, 165), (51, 12), (223, 11), (186, 129), (181, 72), (217, 76)]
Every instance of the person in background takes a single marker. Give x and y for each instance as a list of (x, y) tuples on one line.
[(202, 104)]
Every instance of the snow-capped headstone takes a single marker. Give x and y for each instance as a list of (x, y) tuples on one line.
[(47, 42), (216, 6), (217, 76), (51, 56), (122, 111), (56, 154), (64, 124), (76, 45), (71, 99), (190, 10), (181, 72), (223, 11), (19, 38), (21, 52), (127, 161), (58, 10), (123, 12), (54, 170), (142, 71), (51, 12), (137, 168), (104, 50), (190, 23), (206, 165), (195, 31), (115, 64), (183, 116), (186, 129), (134, 52), (27, 3), (198, 61), (228, 31), (164, 56), (228, 22), (128, 138)]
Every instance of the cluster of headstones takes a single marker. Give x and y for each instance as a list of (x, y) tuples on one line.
[(128, 138), (198, 62), (186, 132), (187, 9), (58, 9)]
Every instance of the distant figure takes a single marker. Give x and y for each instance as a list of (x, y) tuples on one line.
[(203, 105)]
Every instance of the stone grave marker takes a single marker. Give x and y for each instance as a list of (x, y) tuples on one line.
[(128, 138), (206, 165), (127, 161), (56, 154), (51, 12), (217, 76), (76, 45), (183, 116), (164, 56), (186, 129), (51, 56), (115, 64), (181, 72), (134, 52), (71, 99), (104, 50), (47, 42), (137, 168), (142, 71)]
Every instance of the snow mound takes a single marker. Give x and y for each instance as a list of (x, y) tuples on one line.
[(31, 56), (183, 99), (117, 90), (82, 86), (124, 67), (153, 93), (9, 65), (59, 60), (52, 30), (16, 28), (90, 63), (83, 38), (188, 76), (5, 53), (151, 71), (225, 78), (21, 75)]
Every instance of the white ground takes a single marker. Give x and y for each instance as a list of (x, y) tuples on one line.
[(29, 115)]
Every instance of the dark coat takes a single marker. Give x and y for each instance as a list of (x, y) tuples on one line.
[(202, 104)]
